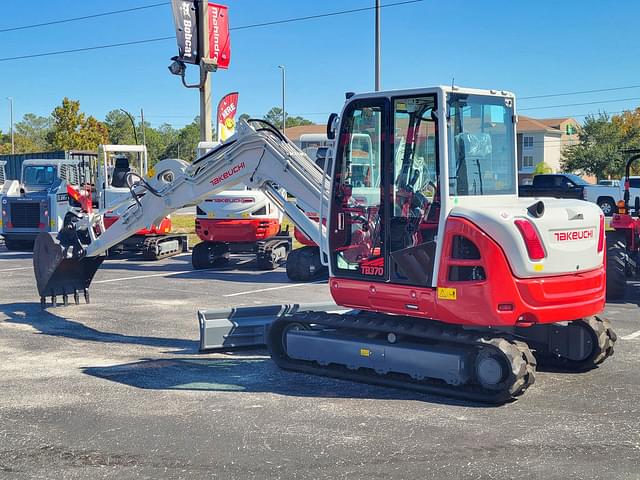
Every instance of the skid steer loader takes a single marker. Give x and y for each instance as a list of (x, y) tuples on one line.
[(457, 286)]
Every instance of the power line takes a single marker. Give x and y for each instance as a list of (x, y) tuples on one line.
[(85, 17), (243, 27), (85, 49), (322, 15), (566, 94), (582, 103)]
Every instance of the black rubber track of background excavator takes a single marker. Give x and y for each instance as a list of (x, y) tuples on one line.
[(520, 358), (264, 253), (151, 244)]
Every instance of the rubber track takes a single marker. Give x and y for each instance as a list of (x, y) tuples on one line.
[(149, 248), (516, 353), (265, 249), (605, 339)]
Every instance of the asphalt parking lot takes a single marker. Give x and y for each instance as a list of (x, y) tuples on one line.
[(117, 389)]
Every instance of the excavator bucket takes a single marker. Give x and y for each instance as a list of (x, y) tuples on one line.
[(60, 271)]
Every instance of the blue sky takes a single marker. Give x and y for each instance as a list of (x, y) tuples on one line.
[(532, 48)]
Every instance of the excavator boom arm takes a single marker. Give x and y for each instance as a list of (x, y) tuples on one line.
[(258, 156)]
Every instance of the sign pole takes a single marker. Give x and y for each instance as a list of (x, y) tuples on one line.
[(205, 78)]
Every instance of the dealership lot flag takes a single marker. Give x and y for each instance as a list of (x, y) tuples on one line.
[(219, 40), (227, 109), (185, 18)]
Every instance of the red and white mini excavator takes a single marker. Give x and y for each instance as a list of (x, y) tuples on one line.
[(452, 280)]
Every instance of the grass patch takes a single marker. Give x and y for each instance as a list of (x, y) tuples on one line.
[(185, 224)]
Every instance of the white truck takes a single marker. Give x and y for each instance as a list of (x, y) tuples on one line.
[(607, 196), (39, 202)]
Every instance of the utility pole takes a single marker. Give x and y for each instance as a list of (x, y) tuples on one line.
[(13, 145), (205, 78), (284, 112), (144, 135), (377, 46)]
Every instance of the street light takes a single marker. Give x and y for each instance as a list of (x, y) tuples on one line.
[(13, 146), (284, 113)]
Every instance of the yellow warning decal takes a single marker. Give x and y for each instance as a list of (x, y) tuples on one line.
[(151, 172), (538, 267), (365, 352), (445, 293)]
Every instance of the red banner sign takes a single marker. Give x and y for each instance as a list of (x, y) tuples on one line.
[(219, 40), (226, 116)]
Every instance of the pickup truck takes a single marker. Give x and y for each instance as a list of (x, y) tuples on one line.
[(560, 185), (607, 197)]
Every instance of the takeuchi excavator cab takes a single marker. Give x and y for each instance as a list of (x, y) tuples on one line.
[(387, 220)]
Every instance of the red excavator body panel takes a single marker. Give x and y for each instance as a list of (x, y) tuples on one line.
[(162, 229), (499, 300), (236, 230)]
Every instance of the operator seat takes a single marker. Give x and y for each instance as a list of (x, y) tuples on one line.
[(120, 171)]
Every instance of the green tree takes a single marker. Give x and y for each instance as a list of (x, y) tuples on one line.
[(602, 139), (72, 130), (274, 116), (542, 167), (34, 130), (120, 128), (21, 144), (185, 141)]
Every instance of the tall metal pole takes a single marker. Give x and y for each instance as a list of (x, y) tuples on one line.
[(377, 46), (13, 145), (144, 135), (205, 78), (284, 112)]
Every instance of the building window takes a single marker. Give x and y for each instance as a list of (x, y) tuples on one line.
[(527, 161), (527, 142)]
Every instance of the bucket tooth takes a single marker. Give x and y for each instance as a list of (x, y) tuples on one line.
[(54, 301), (76, 297), (43, 302), (86, 296), (65, 300)]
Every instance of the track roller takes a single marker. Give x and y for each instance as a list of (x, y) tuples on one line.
[(424, 356)]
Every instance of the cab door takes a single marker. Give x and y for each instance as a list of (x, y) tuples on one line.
[(357, 231)]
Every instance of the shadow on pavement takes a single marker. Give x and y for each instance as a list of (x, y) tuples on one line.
[(48, 323), (233, 272), (253, 375), (204, 374)]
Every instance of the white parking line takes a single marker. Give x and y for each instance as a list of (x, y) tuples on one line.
[(167, 274), (631, 336), (292, 285), (16, 268)]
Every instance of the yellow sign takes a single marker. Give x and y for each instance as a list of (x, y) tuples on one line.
[(151, 172), (365, 352), (447, 293)]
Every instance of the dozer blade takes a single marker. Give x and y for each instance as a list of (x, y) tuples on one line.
[(58, 275)]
